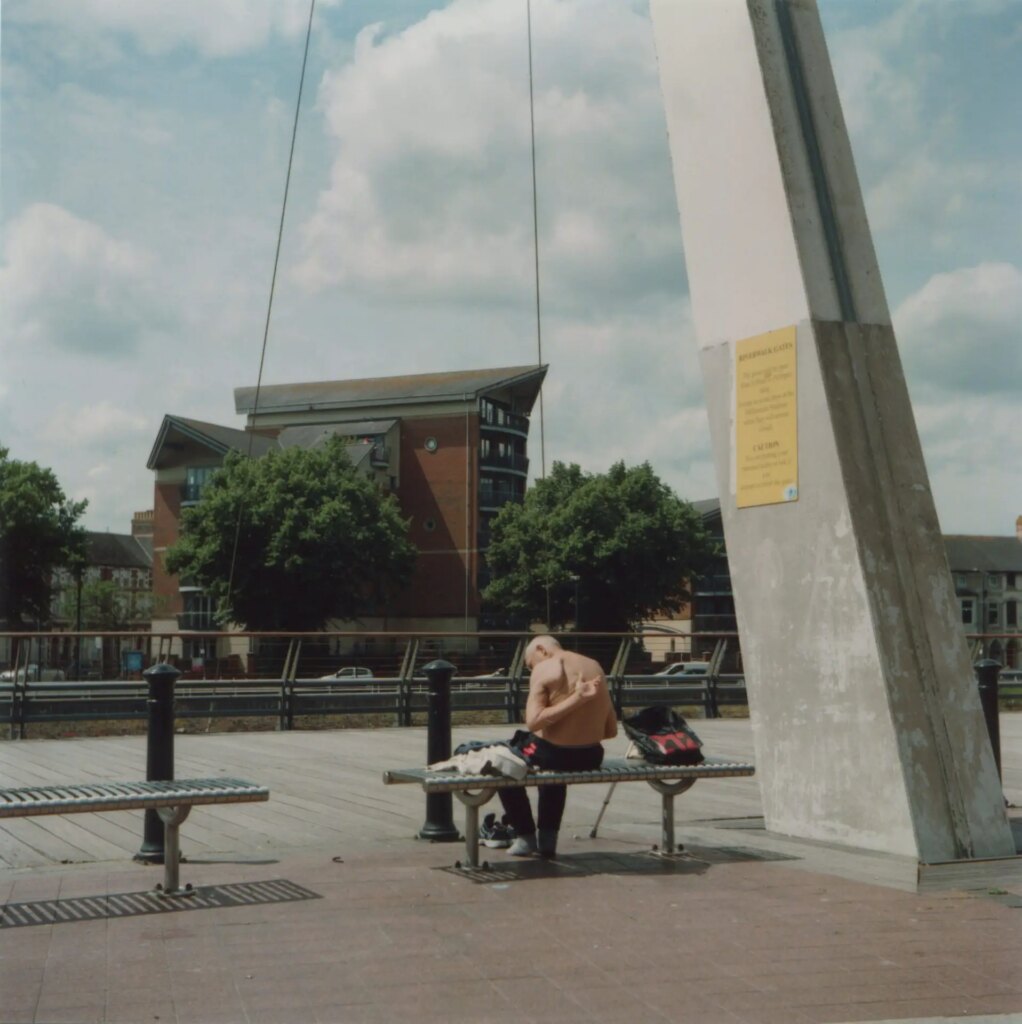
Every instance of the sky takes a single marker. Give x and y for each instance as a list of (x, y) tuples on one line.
[(143, 156)]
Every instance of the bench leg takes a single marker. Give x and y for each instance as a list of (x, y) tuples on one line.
[(472, 802), (172, 818), (668, 791)]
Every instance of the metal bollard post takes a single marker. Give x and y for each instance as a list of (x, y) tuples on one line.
[(987, 672), (439, 826), (159, 765)]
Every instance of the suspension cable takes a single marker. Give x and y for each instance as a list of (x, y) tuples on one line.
[(535, 239), (273, 287)]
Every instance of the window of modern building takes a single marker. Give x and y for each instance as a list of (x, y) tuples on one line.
[(196, 479), (198, 610)]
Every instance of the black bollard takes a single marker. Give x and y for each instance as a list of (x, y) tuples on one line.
[(986, 676), (439, 825), (159, 762)]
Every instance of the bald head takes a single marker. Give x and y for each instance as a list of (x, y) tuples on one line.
[(540, 648)]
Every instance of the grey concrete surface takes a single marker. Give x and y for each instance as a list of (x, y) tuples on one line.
[(747, 928)]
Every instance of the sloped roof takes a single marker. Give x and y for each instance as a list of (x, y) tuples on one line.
[(456, 385), (215, 437), (116, 550), (317, 433), (986, 554)]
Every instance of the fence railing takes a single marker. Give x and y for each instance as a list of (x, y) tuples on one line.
[(291, 677)]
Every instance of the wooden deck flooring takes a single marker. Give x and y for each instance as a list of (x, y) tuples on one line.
[(327, 796), (325, 792)]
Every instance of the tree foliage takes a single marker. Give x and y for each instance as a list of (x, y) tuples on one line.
[(105, 606), (621, 542), (317, 540), (38, 534)]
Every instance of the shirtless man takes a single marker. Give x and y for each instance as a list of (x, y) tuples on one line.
[(568, 714)]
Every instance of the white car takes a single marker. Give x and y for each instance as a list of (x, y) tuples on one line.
[(35, 675), (685, 668), (350, 673)]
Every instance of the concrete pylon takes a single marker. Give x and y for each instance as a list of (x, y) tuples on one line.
[(866, 718)]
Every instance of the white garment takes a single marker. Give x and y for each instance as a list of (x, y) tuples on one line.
[(495, 760)]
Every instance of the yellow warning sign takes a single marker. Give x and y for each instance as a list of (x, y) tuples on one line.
[(766, 419)]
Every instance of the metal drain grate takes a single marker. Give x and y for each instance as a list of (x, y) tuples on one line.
[(133, 904)]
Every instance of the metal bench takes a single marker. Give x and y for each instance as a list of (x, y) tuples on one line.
[(475, 790), (171, 800)]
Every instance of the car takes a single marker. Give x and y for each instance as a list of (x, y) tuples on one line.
[(685, 668), (35, 675), (350, 673)]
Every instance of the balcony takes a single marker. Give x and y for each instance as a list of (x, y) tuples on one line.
[(505, 421), (512, 463), (494, 498)]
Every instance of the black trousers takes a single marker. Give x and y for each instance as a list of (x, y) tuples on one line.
[(542, 754)]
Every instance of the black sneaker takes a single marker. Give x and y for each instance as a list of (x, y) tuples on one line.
[(493, 833)]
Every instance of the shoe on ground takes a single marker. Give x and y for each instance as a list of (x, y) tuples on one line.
[(493, 833), (523, 846)]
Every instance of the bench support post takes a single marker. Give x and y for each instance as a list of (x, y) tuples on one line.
[(668, 791), (473, 801), (172, 818)]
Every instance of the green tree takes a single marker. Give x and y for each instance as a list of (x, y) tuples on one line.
[(38, 533), (316, 540), (621, 543), (105, 605)]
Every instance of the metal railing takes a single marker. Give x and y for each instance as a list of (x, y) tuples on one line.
[(293, 677)]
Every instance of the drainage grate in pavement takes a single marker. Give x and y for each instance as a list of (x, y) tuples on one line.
[(519, 871), (132, 904)]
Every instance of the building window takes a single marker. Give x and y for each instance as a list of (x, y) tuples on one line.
[(960, 581), (968, 611), (1009, 580), (994, 581), (196, 480), (993, 614), (1011, 613)]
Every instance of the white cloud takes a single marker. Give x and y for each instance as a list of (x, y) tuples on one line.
[(959, 336), (216, 28), (908, 117), (430, 193), (67, 284), (960, 331), (99, 424)]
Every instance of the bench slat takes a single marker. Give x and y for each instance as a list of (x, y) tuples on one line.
[(612, 770), (27, 801)]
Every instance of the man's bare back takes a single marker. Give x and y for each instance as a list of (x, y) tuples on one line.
[(569, 703)]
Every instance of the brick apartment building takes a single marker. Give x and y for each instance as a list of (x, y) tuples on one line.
[(452, 447)]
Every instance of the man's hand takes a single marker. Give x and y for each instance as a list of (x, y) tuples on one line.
[(585, 689)]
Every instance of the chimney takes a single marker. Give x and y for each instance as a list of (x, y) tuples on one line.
[(142, 523)]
